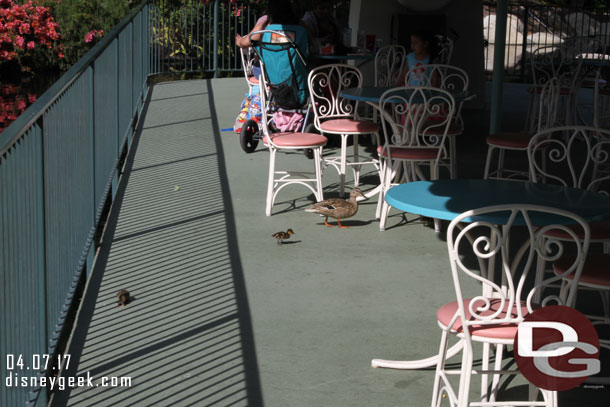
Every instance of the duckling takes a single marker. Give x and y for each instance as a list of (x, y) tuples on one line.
[(124, 297), (280, 236), (338, 208)]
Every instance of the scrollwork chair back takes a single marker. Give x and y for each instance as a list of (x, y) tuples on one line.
[(325, 85), (506, 285), (389, 63), (573, 156)]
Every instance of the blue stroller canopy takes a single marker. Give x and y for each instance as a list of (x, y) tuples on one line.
[(283, 50)]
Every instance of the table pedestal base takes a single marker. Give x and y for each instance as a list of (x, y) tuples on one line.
[(416, 364)]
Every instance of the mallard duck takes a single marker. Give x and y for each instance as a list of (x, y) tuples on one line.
[(280, 236), (337, 208)]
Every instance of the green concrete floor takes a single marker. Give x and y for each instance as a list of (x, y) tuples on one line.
[(222, 314)]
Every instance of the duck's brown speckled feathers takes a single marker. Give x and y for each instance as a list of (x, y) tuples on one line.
[(280, 236), (124, 297), (337, 208)]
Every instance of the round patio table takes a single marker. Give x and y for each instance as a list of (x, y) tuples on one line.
[(446, 199), (345, 57), (360, 59)]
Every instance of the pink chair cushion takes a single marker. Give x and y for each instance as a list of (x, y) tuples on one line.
[(297, 139), (253, 80), (349, 126), (510, 140), (599, 231), (595, 270), (499, 331), (406, 153)]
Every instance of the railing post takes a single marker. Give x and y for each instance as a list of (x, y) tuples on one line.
[(95, 243), (495, 121), (42, 250), (215, 38), (526, 15)]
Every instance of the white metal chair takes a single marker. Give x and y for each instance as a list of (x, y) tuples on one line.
[(601, 103), (289, 142), (576, 157), (444, 45), (507, 141), (335, 115), (479, 250), (389, 62), (411, 137), (559, 62), (454, 80), (247, 63)]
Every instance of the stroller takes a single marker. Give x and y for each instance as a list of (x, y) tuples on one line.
[(282, 52)]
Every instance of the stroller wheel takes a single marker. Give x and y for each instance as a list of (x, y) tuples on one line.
[(310, 128), (246, 136)]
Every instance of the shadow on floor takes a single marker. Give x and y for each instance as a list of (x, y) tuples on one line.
[(186, 338)]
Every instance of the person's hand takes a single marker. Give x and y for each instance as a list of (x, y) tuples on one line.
[(238, 39)]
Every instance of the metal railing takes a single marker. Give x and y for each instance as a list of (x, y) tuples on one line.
[(58, 165), (195, 37), (530, 27)]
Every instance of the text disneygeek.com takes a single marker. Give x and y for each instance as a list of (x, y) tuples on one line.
[(61, 383)]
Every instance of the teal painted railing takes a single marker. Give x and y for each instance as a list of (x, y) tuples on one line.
[(195, 37), (58, 165)]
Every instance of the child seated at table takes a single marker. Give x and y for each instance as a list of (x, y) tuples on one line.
[(423, 45)]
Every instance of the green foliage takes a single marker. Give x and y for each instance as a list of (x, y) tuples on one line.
[(77, 18)]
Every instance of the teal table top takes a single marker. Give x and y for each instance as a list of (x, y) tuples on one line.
[(445, 199), (345, 57), (373, 94)]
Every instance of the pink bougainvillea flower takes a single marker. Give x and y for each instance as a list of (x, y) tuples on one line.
[(24, 28), (31, 45), (21, 104), (89, 36), (32, 97)]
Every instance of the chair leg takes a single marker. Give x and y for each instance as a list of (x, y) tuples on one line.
[(381, 196), (485, 376), (465, 375), (434, 169), (452, 157), (356, 168), (343, 165), (490, 151), (270, 185), (317, 156), (440, 366), (500, 162), (495, 383), (385, 208)]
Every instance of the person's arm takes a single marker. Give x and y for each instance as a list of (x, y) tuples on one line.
[(244, 41)]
